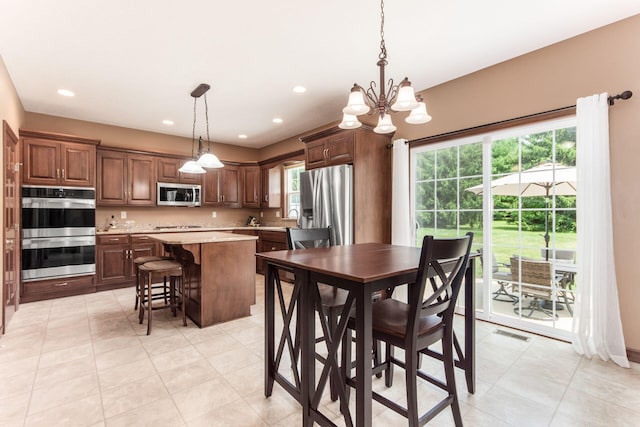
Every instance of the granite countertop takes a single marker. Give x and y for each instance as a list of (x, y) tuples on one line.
[(180, 229), (191, 237)]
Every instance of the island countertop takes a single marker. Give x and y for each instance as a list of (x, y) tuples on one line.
[(195, 237)]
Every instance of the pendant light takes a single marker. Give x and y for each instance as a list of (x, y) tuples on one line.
[(207, 159)]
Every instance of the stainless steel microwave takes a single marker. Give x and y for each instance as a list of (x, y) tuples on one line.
[(172, 194)]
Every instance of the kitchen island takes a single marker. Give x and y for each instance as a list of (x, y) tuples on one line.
[(221, 270)]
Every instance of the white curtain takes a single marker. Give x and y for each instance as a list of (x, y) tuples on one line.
[(596, 321), (400, 205)]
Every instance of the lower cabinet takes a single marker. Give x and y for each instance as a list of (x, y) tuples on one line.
[(114, 258), (267, 241), (56, 288)]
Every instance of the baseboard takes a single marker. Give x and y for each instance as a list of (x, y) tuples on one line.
[(633, 355)]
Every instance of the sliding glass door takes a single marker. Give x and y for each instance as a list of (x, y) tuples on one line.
[(516, 190)]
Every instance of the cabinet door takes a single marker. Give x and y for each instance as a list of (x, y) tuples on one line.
[(251, 186), (112, 178), (315, 154), (112, 264), (142, 180), (78, 164), (340, 149), (168, 169), (230, 186), (210, 188), (41, 161)]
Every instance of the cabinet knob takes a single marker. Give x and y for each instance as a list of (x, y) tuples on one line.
[(62, 173), (57, 173)]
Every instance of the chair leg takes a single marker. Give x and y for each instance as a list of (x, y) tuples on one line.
[(377, 351), (333, 383), (411, 374), (135, 307), (388, 370), (142, 290), (449, 373), (149, 302)]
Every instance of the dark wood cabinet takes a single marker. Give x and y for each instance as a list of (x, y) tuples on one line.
[(57, 159), (330, 150), (267, 241), (251, 188), (370, 155), (222, 187), (114, 258), (125, 179), (55, 288), (168, 170)]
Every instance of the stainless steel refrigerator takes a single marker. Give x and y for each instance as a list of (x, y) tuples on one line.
[(326, 199)]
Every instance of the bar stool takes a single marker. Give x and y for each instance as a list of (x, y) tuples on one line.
[(137, 263), (156, 270)]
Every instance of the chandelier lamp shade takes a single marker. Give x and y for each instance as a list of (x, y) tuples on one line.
[(205, 159), (400, 97)]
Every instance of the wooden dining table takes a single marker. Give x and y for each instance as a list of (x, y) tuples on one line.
[(360, 269)]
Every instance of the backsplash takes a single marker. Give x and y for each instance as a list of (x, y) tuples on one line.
[(145, 218)]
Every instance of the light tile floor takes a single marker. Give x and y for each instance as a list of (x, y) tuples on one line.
[(85, 361)]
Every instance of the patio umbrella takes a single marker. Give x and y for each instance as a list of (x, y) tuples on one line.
[(543, 180)]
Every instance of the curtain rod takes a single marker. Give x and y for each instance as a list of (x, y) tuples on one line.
[(549, 114)]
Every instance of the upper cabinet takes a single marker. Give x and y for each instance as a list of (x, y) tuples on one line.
[(251, 188), (168, 171), (57, 159), (222, 187), (370, 155), (125, 179), (332, 149)]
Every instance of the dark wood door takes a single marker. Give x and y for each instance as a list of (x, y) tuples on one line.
[(112, 263), (142, 182), (112, 178), (251, 189), (230, 186), (78, 164), (211, 188), (167, 169), (41, 161), (11, 229)]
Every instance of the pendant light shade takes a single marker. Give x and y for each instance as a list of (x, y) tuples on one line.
[(191, 167), (418, 115), (406, 99), (356, 105), (349, 121), (209, 161), (385, 125)]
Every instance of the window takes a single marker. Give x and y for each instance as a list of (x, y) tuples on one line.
[(292, 190)]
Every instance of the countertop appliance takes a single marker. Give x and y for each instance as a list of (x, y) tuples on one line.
[(326, 199), (174, 194), (58, 232)]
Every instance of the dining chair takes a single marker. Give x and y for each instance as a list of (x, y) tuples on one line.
[(426, 319)]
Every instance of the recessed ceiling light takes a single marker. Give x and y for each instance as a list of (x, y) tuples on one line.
[(168, 122), (299, 89), (242, 136), (66, 92), (277, 120)]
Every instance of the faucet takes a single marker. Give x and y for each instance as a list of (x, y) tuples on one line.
[(293, 210)]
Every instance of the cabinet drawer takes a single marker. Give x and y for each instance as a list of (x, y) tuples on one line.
[(141, 238), (113, 239), (43, 289), (274, 236)]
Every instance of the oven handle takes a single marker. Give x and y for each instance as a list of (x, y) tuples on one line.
[(58, 242), (48, 203)]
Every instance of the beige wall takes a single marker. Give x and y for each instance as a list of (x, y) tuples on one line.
[(12, 112), (604, 60)]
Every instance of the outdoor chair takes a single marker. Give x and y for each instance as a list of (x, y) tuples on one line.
[(536, 280), (502, 278)]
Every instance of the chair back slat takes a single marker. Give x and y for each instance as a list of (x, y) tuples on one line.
[(306, 238), (534, 276)]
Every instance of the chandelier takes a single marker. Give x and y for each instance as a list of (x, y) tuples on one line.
[(206, 159), (397, 98)]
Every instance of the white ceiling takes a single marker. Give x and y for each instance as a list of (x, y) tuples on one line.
[(133, 63)]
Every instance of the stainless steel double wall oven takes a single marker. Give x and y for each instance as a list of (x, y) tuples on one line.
[(58, 232)]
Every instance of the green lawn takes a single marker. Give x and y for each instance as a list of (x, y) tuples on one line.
[(507, 241)]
